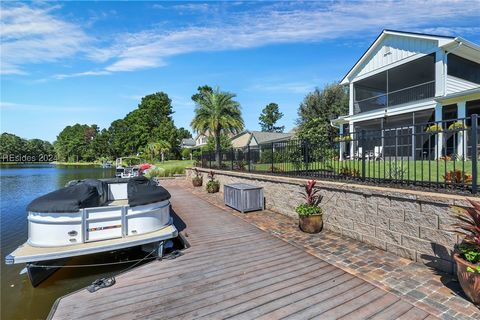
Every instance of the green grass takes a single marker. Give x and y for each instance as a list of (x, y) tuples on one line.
[(400, 170), (169, 168)]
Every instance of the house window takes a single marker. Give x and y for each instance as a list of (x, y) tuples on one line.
[(463, 68)]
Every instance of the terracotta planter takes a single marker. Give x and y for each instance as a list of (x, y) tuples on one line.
[(311, 224), (197, 181), (469, 281)]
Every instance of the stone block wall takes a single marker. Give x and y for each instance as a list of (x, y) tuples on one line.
[(411, 224)]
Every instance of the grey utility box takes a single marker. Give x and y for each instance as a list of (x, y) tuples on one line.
[(243, 197)]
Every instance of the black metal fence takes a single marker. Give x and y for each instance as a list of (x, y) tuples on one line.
[(435, 155)]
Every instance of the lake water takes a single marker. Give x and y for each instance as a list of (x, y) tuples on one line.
[(19, 185)]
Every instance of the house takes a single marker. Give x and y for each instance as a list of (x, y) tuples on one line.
[(187, 143), (201, 139), (254, 138), (405, 79)]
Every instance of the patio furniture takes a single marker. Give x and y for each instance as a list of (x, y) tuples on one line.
[(243, 197)]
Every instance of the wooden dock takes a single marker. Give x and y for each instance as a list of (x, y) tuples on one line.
[(234, 270)]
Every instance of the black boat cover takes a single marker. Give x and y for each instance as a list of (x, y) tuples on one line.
[(143, 191), (101, 186), (68, 199)]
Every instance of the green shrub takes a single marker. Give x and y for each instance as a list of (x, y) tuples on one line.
[(305, 209)]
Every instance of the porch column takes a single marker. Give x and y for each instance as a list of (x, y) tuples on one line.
[(342, 144), (353, 141), (438, 135), (461, 135)]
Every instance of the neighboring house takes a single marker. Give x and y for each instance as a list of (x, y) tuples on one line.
[(405, 79), (201, 140), (188, 143), (254, 138)]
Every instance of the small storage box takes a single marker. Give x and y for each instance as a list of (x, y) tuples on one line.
[(243, 197)]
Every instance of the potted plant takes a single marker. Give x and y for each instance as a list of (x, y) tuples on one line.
[(434, 128), (310, 213), (197, 180), (213, 185), (467, 254)]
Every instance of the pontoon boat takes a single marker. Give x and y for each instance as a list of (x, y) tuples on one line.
[(92, 216)]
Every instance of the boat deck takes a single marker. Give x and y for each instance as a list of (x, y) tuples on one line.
[(234, 270), (28, 253)]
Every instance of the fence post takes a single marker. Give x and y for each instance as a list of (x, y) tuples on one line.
[(305, 156), (362, 154), (249, 157), (474, 143), (273, 159), (232, 155)]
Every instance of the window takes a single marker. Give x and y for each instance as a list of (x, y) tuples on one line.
[(412, 81), (463, 68)]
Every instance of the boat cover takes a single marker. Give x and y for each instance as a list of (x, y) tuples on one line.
[(143, 191), (101, 186), (68, 199)]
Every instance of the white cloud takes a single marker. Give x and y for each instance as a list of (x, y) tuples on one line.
[(32, 34), (275, 24), (81, 74), (5, 106)]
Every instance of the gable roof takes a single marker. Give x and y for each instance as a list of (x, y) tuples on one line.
[(443, 40), (264, 137)]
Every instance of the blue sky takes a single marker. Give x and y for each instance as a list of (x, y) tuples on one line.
[(91, 62)]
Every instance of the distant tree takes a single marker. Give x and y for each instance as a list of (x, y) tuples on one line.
[(17, 149), (74, 143), (158, 148), (218, 113), (269, 117), (183, 133)]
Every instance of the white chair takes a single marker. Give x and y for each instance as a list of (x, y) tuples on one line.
[(378, 152), (359, 153)]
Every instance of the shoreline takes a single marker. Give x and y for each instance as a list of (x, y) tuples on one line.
[(54, 163)]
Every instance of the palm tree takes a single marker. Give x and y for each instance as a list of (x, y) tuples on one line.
[(218, 113), (163, 147), (160, 147)]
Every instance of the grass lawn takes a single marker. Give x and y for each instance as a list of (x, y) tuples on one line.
[(400, 170)]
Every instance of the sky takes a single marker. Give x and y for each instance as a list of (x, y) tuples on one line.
[(91, 62)]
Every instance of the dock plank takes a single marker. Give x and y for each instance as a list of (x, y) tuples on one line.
[(233, 270)]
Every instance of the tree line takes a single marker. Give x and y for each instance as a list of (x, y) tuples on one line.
[(16, 149), (149, 130)]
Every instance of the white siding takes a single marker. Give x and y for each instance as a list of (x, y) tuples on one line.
[(457, 85), (399, 48)]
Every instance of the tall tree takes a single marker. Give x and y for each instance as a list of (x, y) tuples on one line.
[(316, 111), (201, 92), (269, 117), (217, 112), (74, 143)]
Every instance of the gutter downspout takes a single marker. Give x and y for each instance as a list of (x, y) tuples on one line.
[(445, 68)]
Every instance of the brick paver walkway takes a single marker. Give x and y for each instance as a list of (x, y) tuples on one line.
[(435, 292)]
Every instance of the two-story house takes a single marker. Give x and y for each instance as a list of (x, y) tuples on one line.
[(405, 79)]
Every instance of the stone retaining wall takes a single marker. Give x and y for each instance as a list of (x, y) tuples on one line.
[(411, 224)]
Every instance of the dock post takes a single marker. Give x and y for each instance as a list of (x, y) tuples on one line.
[(160, 250)]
